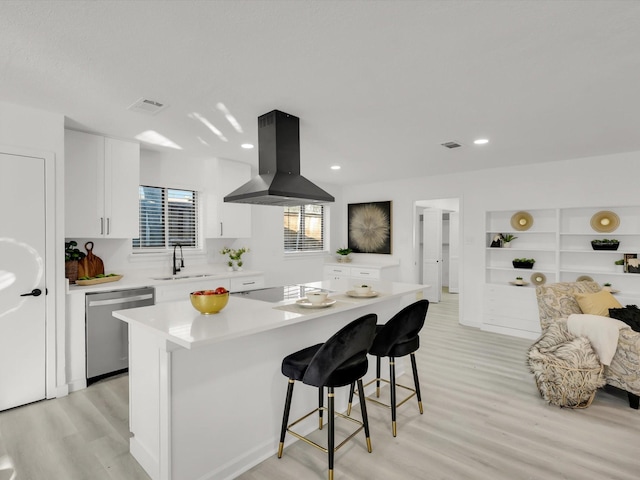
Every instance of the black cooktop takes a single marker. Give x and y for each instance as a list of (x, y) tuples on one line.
[(278, 294)]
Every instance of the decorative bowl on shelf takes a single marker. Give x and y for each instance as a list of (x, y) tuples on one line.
[(209, 301)]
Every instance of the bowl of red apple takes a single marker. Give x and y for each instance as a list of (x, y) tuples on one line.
[(208, 302)]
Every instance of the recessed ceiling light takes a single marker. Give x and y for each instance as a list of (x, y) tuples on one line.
[(335, 167), (481, 141), (248, 146)]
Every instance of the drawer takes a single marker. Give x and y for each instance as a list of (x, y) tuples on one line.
[(372, 273), (335, 270), (246, 283)]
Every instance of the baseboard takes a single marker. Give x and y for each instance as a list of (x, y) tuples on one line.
[(76, 385), (147, 461)]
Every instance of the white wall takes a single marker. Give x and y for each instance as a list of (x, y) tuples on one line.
[(595, 181), (37, 131), (174, 169)]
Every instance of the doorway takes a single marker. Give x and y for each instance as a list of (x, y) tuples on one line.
[(437, 245)]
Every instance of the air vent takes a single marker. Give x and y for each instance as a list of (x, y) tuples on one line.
[(451, 144), (144, 105)]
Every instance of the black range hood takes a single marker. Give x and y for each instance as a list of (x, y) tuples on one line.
[(279, 181)]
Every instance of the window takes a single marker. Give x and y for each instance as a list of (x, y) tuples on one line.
[(304, 228), (167, 216)]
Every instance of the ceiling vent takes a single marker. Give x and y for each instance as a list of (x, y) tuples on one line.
[(144, 105), (451, 144)]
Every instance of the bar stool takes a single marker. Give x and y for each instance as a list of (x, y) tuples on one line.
[(338, 362), (397, 338)]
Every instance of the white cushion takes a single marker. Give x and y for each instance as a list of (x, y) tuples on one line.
[(601, 331)]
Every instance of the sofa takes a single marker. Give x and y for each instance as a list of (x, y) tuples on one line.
[(557, 301)]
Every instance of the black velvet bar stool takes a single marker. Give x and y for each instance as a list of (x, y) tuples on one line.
[(340, 361), (397, 338)]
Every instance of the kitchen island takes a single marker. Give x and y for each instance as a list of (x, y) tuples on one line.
[(206, 392)]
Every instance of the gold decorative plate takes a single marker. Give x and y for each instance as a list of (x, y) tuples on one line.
[(521, 221), (584, 278), (605, 221), (538, 278)]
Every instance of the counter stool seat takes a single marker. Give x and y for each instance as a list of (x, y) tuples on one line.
[(338, 362), (397, 338)]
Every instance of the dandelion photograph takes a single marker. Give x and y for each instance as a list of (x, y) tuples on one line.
[(369, 227)]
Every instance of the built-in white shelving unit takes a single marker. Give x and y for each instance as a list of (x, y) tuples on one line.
[(560, 242)]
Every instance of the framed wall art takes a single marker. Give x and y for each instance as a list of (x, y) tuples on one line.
[(369, 226)]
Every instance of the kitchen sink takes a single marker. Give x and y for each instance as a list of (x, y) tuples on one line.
[(181, 277)]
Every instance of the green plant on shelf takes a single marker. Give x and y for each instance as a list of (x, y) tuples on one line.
[(508, 238), (524, 260), (605, 241), (619, 262)]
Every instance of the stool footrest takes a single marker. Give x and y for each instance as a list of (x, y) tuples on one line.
[(320, 447), (374, 400)]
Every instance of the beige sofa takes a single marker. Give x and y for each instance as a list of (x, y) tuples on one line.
[(556, 302)]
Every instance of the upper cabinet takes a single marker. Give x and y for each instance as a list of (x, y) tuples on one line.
[(102, 178), (227, 220)]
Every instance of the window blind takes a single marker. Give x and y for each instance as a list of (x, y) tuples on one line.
[(304, 228), (167, 216)]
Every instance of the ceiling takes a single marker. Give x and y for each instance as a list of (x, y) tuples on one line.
[(378, 85)]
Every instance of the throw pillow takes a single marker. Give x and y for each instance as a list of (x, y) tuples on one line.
[(629, 315), (597, 303)]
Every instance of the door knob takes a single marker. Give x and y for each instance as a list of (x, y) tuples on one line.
[(36, 292)]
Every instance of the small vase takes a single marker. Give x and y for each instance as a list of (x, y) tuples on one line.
[(506, 245), (234, 265)]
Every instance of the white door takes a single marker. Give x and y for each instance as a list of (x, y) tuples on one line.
[(454, 252), (22, 275), (432, 253)]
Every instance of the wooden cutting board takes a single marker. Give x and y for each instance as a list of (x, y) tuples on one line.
[(91, 265)]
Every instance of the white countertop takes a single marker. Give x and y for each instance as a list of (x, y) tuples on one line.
[(147, 279), (180, 323)]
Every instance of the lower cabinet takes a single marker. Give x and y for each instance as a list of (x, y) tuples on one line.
[(360, 272), (511, 311)]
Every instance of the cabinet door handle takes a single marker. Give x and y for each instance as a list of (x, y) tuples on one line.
[(221, 229), (108, 225), (248, 283), (101, 225)]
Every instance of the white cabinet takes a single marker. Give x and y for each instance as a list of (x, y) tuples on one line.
[(227, 220), (242, 284), (102, 178), (511, 310), (360, 272)]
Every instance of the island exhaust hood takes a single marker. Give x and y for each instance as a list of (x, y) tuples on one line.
[(279, 181)]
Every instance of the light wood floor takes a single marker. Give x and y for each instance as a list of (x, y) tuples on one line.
[(483, 419)]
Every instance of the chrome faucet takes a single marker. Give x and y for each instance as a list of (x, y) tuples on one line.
[(177, 268)]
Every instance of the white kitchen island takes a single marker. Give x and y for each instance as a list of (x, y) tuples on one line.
[(206, 391)]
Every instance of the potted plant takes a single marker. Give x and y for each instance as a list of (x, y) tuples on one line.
[(523, 262), (343, 255), (507, 239), (605, 244), (235, 257), (519, 281), (619, 265), (72, 255)]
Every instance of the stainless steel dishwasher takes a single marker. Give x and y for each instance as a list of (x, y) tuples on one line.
[(108, 337)]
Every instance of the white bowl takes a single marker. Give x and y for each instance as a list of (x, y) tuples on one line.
[(317, 297), (362, 289)]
